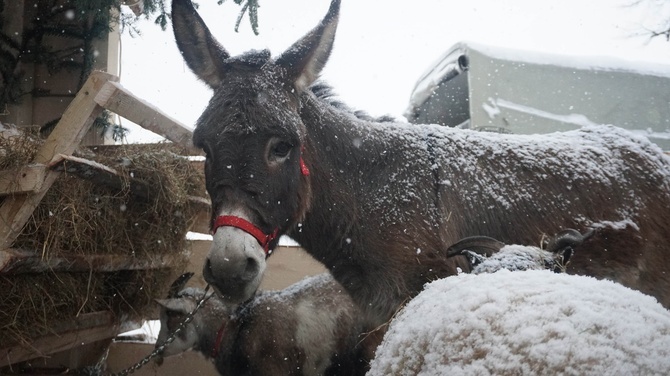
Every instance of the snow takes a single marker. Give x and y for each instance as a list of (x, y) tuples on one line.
[(617, 225), (493, 109), (147, 333), (299, 290), (591, 156), (602, 63), (530, 322), (447, 65), (516, 257)]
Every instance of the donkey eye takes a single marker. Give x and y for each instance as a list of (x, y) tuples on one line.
[(281, 150)]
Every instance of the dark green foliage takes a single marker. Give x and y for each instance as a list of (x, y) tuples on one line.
[(159, 6), (104, 123), (76, 22), (252, 7), (81, 22)]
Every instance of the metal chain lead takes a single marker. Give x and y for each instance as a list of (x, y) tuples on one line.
[(158, 350)]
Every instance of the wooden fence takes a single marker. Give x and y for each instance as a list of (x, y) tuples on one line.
[(23, 188)]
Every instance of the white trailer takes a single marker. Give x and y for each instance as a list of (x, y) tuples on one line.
[(502, 90)]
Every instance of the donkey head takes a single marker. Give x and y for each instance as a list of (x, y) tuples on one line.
[(253, 139), (173, 311)]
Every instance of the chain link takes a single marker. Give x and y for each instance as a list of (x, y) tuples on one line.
[(159, 350)]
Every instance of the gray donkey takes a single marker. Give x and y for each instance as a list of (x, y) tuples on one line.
[(310, 328)]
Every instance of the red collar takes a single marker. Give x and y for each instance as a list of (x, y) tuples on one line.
[(219, 338), (232, 221)]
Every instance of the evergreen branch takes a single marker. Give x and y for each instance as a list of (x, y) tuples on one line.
[(65, 31), (9, 41), (253, 15), (80, 20), (252, 7), (162, 18), (240, 16), (161, 21), (8, 58), (70, 65)]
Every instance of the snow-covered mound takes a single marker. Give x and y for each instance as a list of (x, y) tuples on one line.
[(530, 322), (519, 257)]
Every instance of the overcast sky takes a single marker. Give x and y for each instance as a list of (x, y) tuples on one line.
[(382, 47)]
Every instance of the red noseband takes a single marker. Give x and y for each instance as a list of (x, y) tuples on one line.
[(231, 221)]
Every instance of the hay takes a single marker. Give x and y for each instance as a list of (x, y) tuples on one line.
[(79, 217)]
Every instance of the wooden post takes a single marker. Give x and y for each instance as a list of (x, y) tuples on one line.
[(86, 328), (119, 100), (24, 179), (15, 261), (64, 139)]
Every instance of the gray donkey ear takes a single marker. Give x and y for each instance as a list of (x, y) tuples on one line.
[(202, 53), (478, 244), (305, 59), (179, 284)]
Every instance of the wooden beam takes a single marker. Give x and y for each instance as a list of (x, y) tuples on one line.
[(201, 223), (64, 139), (17, 261), (197, 154), (203, 219), (118, 99), (26, 179), (102, 175), (84, 329)]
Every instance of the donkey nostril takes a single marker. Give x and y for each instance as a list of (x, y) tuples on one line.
[(207, 270), (252, 267)]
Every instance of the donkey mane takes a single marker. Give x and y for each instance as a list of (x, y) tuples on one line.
[(325, 92)]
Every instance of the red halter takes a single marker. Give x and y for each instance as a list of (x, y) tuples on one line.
[(232, 221), (219, 338)]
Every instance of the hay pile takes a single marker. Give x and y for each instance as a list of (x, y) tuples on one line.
[(79, 217)]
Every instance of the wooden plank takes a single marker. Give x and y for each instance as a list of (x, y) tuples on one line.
[(202, 222), (86, 328), (66, 136), (26, 179), (197, 154), (17, 261), (118, 99), (82, 111)]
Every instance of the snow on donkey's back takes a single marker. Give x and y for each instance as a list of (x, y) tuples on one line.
[(531, 322)]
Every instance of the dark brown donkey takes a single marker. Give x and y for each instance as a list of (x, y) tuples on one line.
[(380, 203)]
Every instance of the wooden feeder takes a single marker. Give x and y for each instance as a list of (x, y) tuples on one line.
[(119, 278)]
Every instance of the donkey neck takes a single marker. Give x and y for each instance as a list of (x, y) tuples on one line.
[(344, 154), (211, 323), (371, 182)]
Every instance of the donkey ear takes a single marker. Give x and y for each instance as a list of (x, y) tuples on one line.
[(305, 59), (478, 244), (179, 284), (203, 54)]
